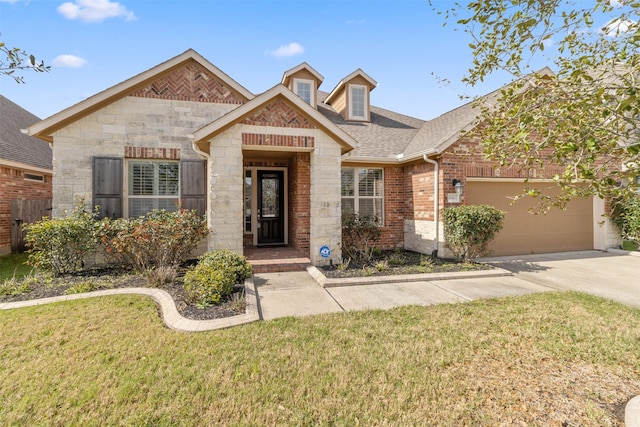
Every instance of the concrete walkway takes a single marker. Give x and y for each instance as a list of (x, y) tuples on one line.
[(613, 276)]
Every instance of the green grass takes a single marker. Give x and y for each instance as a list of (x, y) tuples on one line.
[(628, 245), (14, 265), (111, 361)]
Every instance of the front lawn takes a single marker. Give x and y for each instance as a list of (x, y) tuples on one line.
[(547, 359), (13, 266)]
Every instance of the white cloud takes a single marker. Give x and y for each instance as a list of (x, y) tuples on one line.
[(617, 26), (94, 10), (69, 61), (616, 3), (287, 50)]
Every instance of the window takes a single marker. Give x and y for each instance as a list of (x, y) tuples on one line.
[(357, 102), (32, 177), (304, 89), (152, 185), (363, 192)]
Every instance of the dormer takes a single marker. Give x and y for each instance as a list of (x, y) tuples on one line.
[(304, 81), (351, 97)]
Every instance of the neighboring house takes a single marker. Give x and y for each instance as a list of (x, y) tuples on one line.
[(25, 172), (281, 167)]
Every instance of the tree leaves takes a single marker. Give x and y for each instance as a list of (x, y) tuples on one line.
[(586, 117)]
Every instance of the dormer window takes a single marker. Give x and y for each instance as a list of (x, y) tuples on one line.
[(304, 81), (358, 102), (351, 96), (304, 89)]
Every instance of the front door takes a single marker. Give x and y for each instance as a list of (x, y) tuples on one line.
[(270, 212)]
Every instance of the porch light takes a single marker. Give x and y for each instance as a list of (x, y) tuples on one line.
[(458, 185)]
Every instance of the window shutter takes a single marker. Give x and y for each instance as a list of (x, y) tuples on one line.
[(107, 186), (193, 179)]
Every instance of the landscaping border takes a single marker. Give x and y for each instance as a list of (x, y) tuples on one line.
[(169, 313)]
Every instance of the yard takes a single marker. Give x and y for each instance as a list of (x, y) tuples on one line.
[(545, 359)]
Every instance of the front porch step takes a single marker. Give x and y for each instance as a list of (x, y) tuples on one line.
[(279, 268), (276, 259)]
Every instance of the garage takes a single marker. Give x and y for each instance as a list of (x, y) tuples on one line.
[(526, 233)]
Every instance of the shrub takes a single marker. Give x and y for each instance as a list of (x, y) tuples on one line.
[(214, 277), (60, 245), (625, 214), (225, 259), (360, 233), (158, 239), (469, 229)]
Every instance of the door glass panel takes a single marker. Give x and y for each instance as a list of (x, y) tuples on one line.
[(270, 196), (247, 201)]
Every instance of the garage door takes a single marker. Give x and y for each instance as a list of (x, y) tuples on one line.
[(525, 233)]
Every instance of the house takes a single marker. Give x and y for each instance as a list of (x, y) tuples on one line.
[(25, 174), (281, 167)]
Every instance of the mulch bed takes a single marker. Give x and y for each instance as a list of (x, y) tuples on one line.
[(45, 287), (397, 262)]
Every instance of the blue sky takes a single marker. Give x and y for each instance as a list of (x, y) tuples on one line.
[(95, 44)]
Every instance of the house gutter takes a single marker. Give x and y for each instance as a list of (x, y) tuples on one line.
[(436, 202)]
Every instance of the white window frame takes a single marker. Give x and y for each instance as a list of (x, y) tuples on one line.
[(365, 106), (312, 100), (356, 190), (127, 196)]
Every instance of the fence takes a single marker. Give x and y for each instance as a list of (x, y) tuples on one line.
[(26, 212)]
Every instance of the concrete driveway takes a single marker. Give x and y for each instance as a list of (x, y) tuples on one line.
[(604, 274), (611, 276)]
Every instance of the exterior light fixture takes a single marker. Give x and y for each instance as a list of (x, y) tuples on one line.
[(458, 185)]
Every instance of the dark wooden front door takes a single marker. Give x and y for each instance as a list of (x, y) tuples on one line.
[(270, 207)]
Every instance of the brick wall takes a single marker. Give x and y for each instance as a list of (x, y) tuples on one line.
[(13, 186), (299, 201), (394, 208), (190, 82)]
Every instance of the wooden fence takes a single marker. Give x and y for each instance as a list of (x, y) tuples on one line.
[(26, 212)]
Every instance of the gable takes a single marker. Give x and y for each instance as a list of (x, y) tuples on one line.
[(190, 82), (281, 114)]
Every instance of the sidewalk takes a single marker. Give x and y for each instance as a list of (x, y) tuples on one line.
[(298, 294)]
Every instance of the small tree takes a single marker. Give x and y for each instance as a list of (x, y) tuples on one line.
[(469, 229), (360, 233)]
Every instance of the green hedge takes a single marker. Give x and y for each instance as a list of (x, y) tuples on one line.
[(469, 229)]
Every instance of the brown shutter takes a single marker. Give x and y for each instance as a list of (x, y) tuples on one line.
[(107, 186), (193, 180)]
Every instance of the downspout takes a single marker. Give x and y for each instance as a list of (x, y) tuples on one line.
[(194, 145), (436, 202)]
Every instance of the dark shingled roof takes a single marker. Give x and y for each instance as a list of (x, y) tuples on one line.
[(16, 146), (393, 135), (385, 136)]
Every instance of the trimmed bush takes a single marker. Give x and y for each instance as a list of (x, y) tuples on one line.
[(225, 259), (625, 214), (60, 245), (214, 277), (469, 229), (157, 240), (360, 233)]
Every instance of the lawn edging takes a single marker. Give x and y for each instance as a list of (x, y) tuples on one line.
[(325, 282), (170, 315)]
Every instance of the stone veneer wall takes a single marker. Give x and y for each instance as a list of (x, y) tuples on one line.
[(128, 122), (326, 216), (225, 189)]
